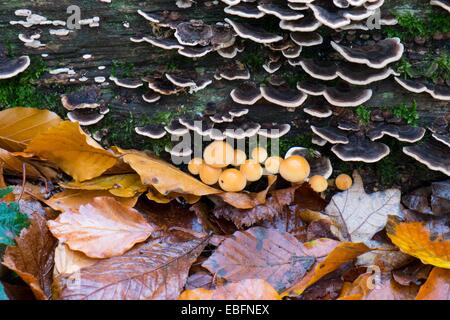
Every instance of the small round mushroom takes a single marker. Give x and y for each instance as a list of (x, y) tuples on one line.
[(238, 158), (218, 154), (272, 164), (194, 165), (343, 182), (259, 154), (318, 183), (232, 180), (294, 169), (209, 175), (252, 170)]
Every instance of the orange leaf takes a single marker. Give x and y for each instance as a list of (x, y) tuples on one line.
[(414, 238), (19, 125), (73, 151), (437, 286), (102, 229), (249, 289)]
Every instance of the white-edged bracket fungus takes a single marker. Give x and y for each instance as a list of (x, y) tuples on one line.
[(10, 68)]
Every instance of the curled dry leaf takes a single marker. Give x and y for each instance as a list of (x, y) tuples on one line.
[(274, 205), (247, 200), (103, 228), (19, 125), (14, 164), (72, 150), (155, 270), (72, 200), (260, 253), (249, 289), (32, 257), (420, 241), (358, 215), (68, 261), (331, 255), (122, 185), (164, 177), (437, 286)]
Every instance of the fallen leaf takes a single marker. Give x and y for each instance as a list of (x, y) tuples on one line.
[(274, 205), (260, 253), (72, 200), (103, 228), (440, 197), (72, 150), (247, 200), (307, 199), (155, 270), (358, 215), (122, 185), (68, 261), (200, 279), (437, 286), (15, 164), (249, 289), (32, 257), (341, 253), (164, 177), (416, 273), (19, 125), (418, 240)]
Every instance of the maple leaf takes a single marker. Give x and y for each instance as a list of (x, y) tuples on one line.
[(358, 215), (102, 229), (249, 289), (72, 150), (32, 257), (19, 125), (260, 253), (437, 286), (154, 270), (419, 240)]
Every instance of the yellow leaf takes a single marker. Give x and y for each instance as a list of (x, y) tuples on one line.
[(249, 289), (121, 185), (72, 200), (68, 261), (73, 151), (342, 253), (101, 229), (19, 125), (414, 238), (164, 177), (15, 164)]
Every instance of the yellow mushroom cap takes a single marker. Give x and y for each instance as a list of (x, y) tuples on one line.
[(209, 175), (218, 154), (239, 158), (194, 165), (232, 180), (272, 164), (318, 183), (343, 181), (259, 154), (252, 170), (294, 169)]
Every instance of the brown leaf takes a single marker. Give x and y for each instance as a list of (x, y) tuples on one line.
[(247, 200), (68, 261), (359, 215), (19, 125), (200, 279), (437, 286), (440, 197), (155, 270), (307, 198), (260, 253), (32, 257), (72, 200), (249, 289), (15, 164), (415, 272), (102, 229), (275, 204)]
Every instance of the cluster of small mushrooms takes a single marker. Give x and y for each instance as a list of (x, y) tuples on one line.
[(233, 171)]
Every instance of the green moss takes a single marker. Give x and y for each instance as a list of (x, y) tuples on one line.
[(363, 114), (22, 90), (253, 59), (407, 112), (287, 142), (122, 69)]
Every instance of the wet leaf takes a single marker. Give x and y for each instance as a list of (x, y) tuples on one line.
[(164, 177), (103, 228), (249, 289), (68, 261), (358, 215), (156, 270), (73, 151), (260, 253), (440, 197), (419, 240), (19, 125), (32, 257), (437, 286)]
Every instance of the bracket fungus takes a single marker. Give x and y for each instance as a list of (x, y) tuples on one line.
[(10, 68)]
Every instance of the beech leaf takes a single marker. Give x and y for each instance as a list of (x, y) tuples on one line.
[(437, 286), (102, 229), (358, 215)]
